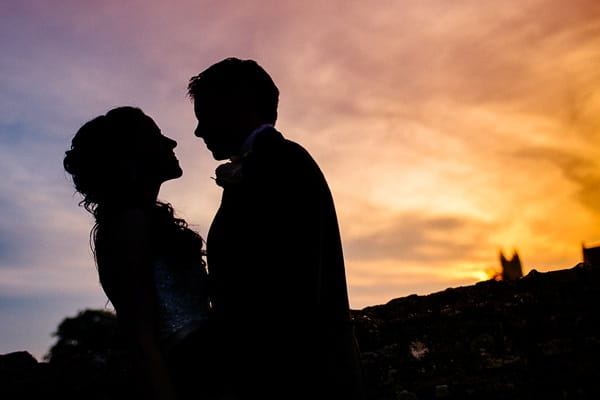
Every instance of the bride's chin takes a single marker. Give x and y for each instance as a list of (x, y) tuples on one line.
[(177, 174)]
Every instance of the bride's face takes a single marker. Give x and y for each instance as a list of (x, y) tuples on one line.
[(155, 159)]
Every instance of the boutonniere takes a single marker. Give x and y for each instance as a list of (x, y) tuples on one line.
[(230, 173)]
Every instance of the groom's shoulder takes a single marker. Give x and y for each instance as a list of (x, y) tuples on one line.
[(286, 161), (277, 143)]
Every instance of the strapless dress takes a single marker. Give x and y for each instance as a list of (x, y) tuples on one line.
[(181, 301)]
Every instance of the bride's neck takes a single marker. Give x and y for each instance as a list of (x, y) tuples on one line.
[(136, 195)]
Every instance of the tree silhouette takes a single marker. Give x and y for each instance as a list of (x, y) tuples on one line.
[(91, 334), (92, 356)]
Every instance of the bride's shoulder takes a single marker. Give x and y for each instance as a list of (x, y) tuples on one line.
[(122, 250)]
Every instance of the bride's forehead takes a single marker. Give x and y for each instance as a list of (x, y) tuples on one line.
[(148, 124)]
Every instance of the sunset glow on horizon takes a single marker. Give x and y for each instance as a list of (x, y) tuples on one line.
[(448, 132)]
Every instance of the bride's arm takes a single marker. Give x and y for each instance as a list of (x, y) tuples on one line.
[(128, 261)]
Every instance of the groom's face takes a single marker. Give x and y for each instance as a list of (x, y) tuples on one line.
[(224, 122)]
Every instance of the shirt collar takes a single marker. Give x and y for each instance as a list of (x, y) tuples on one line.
[(249, 142)]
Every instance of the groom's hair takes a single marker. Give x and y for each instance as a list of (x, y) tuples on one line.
[(239, 77)]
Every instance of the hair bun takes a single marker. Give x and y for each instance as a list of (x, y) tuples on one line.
[(71, 162)]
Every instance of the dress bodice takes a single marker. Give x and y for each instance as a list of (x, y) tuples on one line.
[(181, 298)]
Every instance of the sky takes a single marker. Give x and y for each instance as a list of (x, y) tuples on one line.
[(447, 131)]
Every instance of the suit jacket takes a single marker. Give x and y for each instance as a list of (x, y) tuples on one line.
[(277, 277)]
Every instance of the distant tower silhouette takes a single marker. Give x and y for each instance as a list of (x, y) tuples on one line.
[(511, 269), (591, 255)]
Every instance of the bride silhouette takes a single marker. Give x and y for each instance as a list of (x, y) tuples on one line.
[(150, 264)]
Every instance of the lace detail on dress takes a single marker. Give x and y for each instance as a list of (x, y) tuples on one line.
[(182, 297)]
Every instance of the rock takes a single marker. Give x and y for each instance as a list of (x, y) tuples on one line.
[(22, 377), (16, 361)]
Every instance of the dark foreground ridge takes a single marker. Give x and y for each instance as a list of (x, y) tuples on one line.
[(533, 338)]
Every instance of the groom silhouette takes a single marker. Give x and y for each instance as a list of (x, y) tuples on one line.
[(274, 254)]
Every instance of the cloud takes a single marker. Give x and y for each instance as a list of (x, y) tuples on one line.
[(576, 168), (398, 62), (44, 245), (423, 239), (28, 321), (9, 240)]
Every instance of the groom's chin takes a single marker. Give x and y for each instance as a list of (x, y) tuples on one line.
[(175, 174), (220, 155)]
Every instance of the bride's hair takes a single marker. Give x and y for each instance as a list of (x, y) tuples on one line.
[(99, 151)]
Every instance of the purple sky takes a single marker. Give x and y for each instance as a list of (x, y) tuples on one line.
[(447, 131)]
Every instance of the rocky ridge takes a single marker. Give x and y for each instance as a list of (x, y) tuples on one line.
[(533, 338)]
